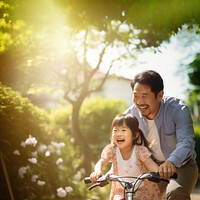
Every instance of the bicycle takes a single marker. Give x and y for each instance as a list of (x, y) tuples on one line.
[(129, 187)]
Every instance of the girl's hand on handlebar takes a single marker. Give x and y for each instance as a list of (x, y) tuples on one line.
[(167, 169), (94, 176)]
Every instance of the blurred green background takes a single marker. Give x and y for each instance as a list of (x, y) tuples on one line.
[(57, 57)]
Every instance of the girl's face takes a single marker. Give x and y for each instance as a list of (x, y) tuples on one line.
[(122, 136)]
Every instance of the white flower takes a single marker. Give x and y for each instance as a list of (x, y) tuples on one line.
[(77, 176), (32, 160), (16, 152), (123, 28), (34, 178), (40, 183), (51, 148), (22, 171), (69, 189), (31, 141), (42, 148), (58, 152), (60, 160), (34, 154), (61, 192), (72, 140), (23, 144), (58, 144), (47, 153), (82, 170), (115, 24)]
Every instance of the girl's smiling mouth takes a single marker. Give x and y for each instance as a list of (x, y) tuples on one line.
[(120, 140)]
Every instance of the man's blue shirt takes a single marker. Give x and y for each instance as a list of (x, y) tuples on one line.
[(175, 129)]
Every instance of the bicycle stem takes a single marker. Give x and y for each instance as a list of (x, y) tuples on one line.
[(129, 195)]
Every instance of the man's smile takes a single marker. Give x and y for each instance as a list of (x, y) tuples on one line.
[(143, 107)]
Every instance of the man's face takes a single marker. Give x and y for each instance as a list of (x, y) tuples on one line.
[(146, 101)]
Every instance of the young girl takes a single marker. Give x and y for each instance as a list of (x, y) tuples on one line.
[(129, 155)]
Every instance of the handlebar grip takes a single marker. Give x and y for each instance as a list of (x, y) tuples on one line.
[(174, 176), (87, 180)]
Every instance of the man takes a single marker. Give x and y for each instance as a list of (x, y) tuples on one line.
[(167, 125)]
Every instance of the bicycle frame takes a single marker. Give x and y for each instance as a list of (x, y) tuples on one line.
[(129, 187)]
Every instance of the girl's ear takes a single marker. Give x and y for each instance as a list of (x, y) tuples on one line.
[(137, 136)]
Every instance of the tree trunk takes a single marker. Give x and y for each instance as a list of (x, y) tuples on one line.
[(79, 138)]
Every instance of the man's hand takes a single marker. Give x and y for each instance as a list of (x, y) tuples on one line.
[(166, 169)]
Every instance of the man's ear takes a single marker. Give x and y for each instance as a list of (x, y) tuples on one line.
[(160, 95)]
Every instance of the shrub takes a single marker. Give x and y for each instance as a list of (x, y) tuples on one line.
[(41, 161), (96, 117)]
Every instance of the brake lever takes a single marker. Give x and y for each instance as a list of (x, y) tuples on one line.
[(93, 186), (101, 182), (101, 178), (155, 177)]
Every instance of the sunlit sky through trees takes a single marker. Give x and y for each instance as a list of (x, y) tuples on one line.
[(167, 61), (170, 62)]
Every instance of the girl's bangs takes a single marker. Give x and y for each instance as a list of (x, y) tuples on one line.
[(119, 122)]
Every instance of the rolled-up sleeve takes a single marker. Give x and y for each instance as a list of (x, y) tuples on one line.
[(184, 131)]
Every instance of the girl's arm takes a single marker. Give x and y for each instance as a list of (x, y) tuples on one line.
[(145, 156), (98, 169), (151, 165)]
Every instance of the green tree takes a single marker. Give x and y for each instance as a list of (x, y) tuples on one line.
[(155, 19), (194, 97), (97, 29), (73, 73), (194, 73)]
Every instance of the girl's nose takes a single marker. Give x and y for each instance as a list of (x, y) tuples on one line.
[(119, 132)]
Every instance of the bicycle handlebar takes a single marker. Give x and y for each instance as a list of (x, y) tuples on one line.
[(104, 180)]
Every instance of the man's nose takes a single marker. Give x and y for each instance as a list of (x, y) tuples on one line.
[(139, 100)]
